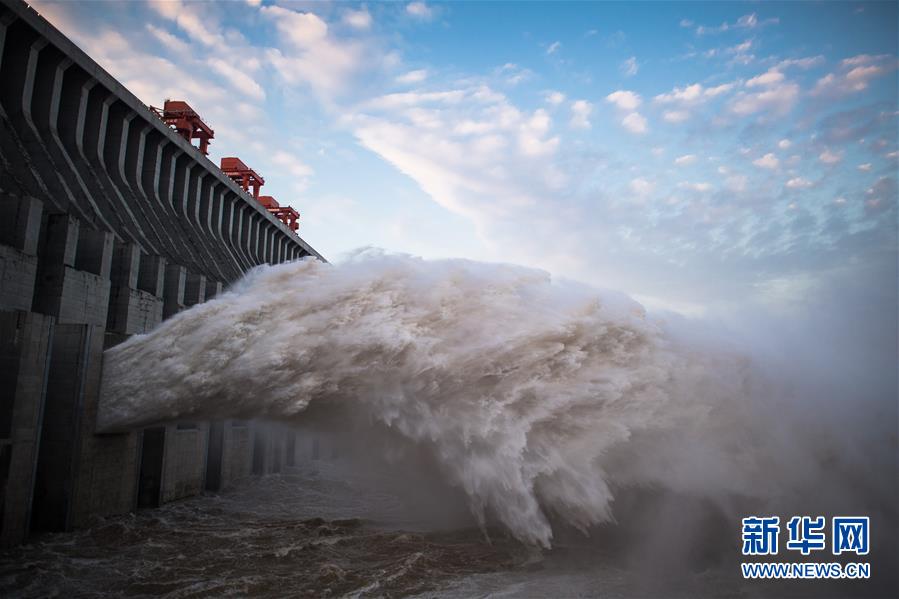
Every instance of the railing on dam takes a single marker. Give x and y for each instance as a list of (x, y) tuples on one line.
[(110, 222)]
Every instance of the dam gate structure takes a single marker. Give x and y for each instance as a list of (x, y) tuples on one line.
[(111, 221)]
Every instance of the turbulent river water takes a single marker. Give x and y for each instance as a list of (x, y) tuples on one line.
[(333, 528), (516, 436)]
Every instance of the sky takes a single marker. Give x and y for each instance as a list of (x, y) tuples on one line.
[(702, 157)]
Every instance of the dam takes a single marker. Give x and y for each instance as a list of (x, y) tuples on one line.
[(111, 221)]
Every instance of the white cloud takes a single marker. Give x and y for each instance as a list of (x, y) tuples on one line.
[(863, 59), (411, 99), (854, 75), (555, 98), (802, 63), (784, 144), (310, 54), (357, 19), (700, 187), (768, 161), (750, 21), (634, 122), (828, 157), (416, 76), (513, 73), (302, 29), (190, 22), (169, 40), (676, 116), (777, 99), (629, 67), (624, 100), (799, 183), (292, 164), (716, 91), (641, 187), (553, 47), (865, 167), (167, 9), (688, 98), (685, 160), (766, 79), (685, 95), (580, 114), (420, 10), (736, 183), (470, 149), (238, 79)]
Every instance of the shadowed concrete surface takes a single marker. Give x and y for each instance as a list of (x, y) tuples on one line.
[(110, 222)]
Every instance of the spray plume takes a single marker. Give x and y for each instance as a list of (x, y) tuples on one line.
[(537, 398)]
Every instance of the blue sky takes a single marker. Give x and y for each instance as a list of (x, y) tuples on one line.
[(699, 156)]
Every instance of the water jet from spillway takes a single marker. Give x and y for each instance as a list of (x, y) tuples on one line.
[(536, 398)]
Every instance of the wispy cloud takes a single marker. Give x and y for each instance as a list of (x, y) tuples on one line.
[(750, 21), (854, 75), (769, 161), (420, 10), (630, 67), (358, 19), (580, 114), (416, 76)]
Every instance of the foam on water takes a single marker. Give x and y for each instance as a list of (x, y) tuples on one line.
[(539, 399)]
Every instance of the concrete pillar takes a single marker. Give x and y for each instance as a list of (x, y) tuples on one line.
[(20, 224), (173, 292), (194, 289), (94, 252), (63, 407), (277, 450), (132, 310), (25, 340), (214, 456), (151, 274), (105, 471), (290, 448), (213, 289), (61, 239), (184, 465), (73, 274), (260, 442), (237, 451)]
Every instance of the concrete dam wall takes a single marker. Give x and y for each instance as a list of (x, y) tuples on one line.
[(110, 222)]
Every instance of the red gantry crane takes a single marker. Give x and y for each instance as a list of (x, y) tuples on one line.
[(184, 119), (286, 214), (246, 177), (243, 175)]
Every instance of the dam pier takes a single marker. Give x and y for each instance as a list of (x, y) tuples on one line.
[(111, 221)]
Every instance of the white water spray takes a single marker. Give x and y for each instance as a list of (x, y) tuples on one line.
[(537, 398)]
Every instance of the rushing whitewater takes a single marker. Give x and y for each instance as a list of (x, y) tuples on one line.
[(539, 399)]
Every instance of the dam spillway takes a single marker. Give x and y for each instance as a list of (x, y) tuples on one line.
[(110, 222)]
